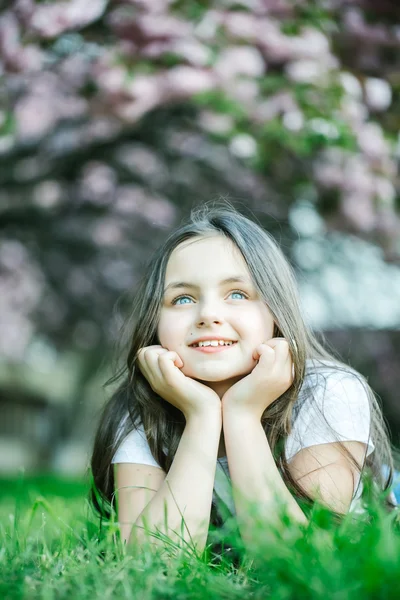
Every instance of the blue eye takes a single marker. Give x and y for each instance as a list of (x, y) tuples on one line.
[(238, 292), (175, 300)]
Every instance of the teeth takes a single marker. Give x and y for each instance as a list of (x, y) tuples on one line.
[(213, 343)]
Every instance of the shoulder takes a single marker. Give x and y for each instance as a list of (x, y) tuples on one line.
[(328, 382), (321, 369), (134, 448), (332, 405)]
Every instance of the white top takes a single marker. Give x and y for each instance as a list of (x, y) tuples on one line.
[(344, 406)]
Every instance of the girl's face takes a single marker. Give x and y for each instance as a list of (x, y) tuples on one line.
[(204, 305)]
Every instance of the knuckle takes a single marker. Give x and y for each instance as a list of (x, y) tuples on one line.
[(143, 354)]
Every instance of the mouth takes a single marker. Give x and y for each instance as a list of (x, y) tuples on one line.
[(211, 349)]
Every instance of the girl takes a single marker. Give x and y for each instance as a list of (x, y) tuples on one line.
[(228, 396)]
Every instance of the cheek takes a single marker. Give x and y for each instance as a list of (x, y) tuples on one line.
[(268, 323), (163, 331), (259, 323), (170, 332), (271, 326)]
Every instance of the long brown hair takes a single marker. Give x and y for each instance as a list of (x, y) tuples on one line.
[(134, 402)]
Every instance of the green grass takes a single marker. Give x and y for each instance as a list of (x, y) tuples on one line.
[(50, 547)]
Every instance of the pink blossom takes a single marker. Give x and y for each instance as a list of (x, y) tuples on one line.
[(207, 27), (110, 78), (107, 232), (156, 48), (46, 103), (17, 57), (145, 28), (353, 111), (242, 25), (24, 10), (192, 51), (155, 6), (240, 60), (35, 116), (216, 122), (98, 182), (357, 179), (143, 161), (21, 285), (159, 212), (244, 91), (142, 95), (351, 84), (280, 103), (75, 69), (47, 194), (311, 44), (385, 191), (371, 141), (100, 128), (9, 36), (378, 93), (359, 211), (355, 25), (50, 20), (308, 70), (129, 199), (184, 81)]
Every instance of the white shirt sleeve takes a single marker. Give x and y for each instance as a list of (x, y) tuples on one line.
[(135, 449), (345, 408)]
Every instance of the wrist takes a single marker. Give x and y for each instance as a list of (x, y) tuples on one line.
[(209, 417), (242, 414)]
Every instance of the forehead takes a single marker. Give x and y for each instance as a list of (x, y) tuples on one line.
[(212, 255)]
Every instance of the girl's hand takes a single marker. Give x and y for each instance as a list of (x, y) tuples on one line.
[(161, 368), (269, 379)]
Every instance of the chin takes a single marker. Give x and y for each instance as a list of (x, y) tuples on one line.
[(217, 375)]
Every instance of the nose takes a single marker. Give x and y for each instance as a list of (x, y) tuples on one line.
[(207, 322), (208, 313)]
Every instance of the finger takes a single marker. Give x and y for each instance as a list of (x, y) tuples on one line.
[(176, 359), (282, 352), (148, 361), (141, 353), (274, 342), (152, 351), (263, 350), (165, 360), (154, 346)]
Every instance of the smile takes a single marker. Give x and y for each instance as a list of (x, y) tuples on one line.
[(212, 349)]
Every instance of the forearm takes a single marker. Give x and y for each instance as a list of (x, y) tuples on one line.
[(187, 489), (254, 474)]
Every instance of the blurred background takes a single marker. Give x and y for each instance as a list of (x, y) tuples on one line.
[(118, 117)]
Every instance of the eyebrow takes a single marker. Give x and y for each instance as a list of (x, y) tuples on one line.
[(184, 284)]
